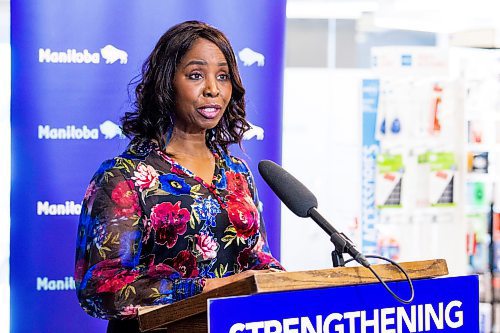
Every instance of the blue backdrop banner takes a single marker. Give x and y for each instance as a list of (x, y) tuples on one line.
[(71, 66)]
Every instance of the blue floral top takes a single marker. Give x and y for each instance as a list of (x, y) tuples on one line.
[(151, 231)]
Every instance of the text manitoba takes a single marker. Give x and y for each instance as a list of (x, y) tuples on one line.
[(67, 133), (68, 208), (416, 318), (43, 283), (70, 56)]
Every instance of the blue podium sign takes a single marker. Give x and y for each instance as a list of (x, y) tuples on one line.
[(440, 305)]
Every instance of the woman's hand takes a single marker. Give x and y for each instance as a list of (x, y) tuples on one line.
[(215, 283)]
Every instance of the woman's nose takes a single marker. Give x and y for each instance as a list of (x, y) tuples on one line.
[(211, 89)]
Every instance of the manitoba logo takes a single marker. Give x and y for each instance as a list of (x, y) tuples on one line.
[(70, 132), (108, 128), (250, 57), (110, 53), (46, 284), (254, 132), (67, 208)]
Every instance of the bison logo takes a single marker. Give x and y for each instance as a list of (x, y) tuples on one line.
[(112, 54), (110, 130), (250, 57), (254, 131)]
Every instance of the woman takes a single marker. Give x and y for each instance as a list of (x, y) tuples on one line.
[(175, 214)]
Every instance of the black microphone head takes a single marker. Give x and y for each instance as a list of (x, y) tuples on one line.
[(292, 192)]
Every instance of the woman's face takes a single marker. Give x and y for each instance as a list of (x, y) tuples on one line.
[(202, 88)]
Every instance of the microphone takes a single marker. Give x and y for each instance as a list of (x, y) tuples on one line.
[(297, 197)]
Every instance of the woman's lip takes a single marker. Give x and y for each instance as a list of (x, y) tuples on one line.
[(217, 106), (209, 111)]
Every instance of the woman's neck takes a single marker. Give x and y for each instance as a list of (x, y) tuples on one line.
[(192, 145)]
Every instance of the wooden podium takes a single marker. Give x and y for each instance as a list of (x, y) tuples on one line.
[(190, 315)]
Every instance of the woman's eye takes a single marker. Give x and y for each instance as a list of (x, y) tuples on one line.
[(195, 76), (223, 77)]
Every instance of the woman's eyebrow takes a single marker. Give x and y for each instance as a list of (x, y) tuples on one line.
[(196, 62), (204, 63)]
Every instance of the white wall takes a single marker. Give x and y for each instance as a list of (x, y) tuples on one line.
[(321, 148)]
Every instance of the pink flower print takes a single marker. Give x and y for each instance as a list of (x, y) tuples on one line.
[(169, 221), (243, 215), (145, 177), (237, 183), (207, 246), (160, 270), (126, 199), (111, 281), (249, 259), (130, 311), (184, 263)]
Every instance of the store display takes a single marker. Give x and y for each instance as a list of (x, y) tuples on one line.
[(480, 75), (485, 311), (442, 178), (475, 131), (389, 247), (496, 241), (439, 113), (390, 170), (422, 175), (436, 109), (477, 162), (478, 242), (476, 194)]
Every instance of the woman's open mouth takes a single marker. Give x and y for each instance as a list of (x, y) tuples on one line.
[(209, 111)]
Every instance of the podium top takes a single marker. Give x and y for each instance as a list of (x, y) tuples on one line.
[(253, 282)]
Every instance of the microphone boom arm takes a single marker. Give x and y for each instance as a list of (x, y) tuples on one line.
[(341, 242)]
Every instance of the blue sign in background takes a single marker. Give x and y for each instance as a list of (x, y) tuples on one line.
[(71, 66), (370, 150), (225, 312)]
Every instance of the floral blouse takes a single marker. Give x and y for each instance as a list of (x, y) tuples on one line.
[(151, 231)]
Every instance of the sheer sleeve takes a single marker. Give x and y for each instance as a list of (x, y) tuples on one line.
[(261, 257), (113, 274)]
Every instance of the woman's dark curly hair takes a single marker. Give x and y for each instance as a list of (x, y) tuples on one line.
[(154, 106)]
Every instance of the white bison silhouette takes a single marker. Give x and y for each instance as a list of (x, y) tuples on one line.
[(254, 131), (110, 130), (250, 57), (112, 54)]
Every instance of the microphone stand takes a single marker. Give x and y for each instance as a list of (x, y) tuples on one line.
[(341, 242)]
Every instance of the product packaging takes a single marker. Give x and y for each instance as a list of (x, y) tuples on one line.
[(390, 170), (443, 170)]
